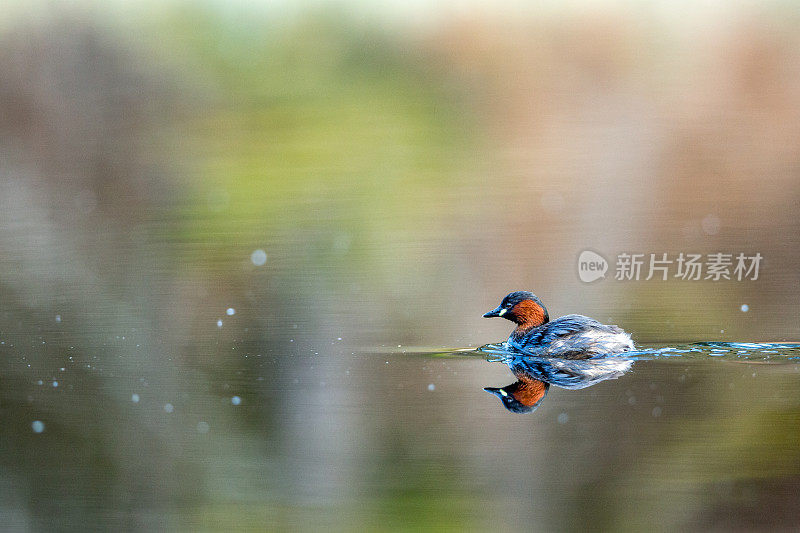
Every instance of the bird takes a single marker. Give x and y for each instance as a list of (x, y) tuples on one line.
[(566, 337)]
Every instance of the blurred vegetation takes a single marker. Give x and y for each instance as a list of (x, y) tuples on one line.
[(294, 117), (400, 180)]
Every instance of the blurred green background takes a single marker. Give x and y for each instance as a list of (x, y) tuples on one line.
[(402, 166)]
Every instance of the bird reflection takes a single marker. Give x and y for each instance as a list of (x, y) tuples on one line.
[(535, 375)]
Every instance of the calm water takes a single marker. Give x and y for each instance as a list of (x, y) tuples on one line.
[(244, 255), (691, 436)]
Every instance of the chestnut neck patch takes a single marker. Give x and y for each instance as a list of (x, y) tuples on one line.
[(527, 314)]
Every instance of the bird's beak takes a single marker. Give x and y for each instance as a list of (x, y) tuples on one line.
[(497, 392), (497, 311)]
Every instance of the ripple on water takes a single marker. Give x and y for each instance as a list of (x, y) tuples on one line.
[(772, 352)]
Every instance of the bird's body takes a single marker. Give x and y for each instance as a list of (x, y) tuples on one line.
[(571, 337), (567, 337)]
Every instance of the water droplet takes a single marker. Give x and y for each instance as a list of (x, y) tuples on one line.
[(236, 400), (135, 398), (58, 318), (55, 384), (231, 311), (202, 427), (258, 257), (431, 387), (563, 418), (37, 426), (169, 408), (219, 323), (745, 308)]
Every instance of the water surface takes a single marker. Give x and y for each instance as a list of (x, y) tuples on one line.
[(692, 436)]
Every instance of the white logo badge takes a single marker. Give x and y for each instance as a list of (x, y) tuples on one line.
[(591, 266)]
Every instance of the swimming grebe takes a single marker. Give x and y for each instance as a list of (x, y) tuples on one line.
[(567, 337)]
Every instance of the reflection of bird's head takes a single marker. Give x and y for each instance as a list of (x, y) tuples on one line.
[(523, 396)]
